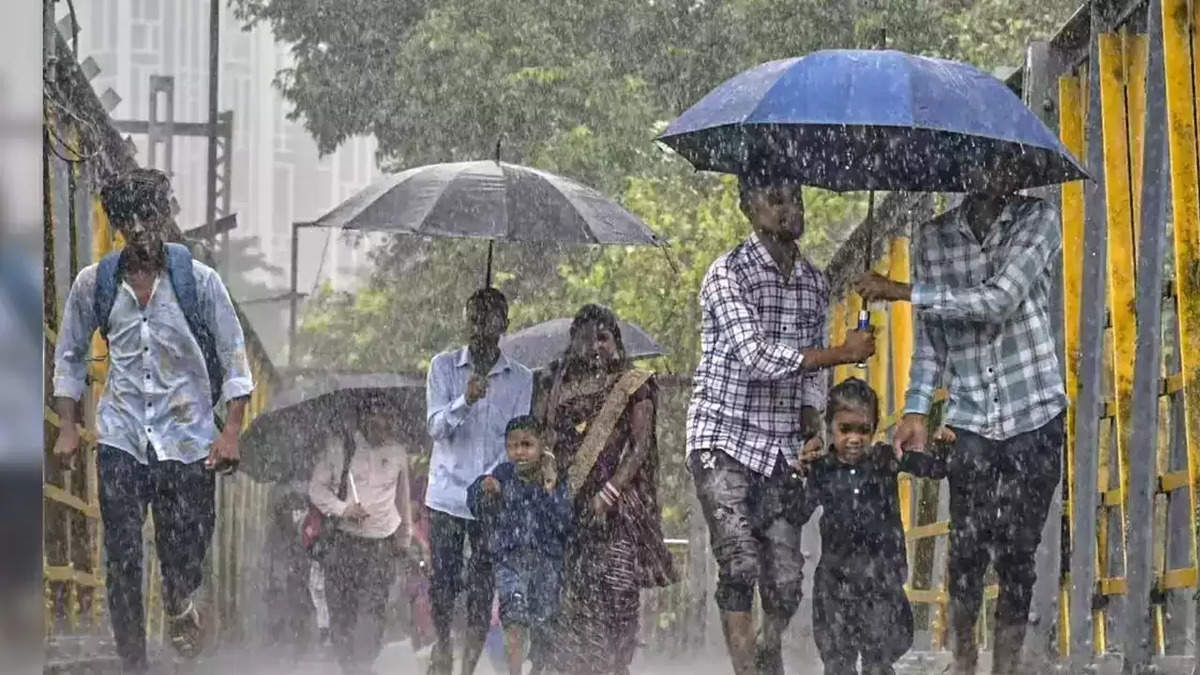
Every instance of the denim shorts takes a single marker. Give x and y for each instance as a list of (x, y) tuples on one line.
[(528, 586)]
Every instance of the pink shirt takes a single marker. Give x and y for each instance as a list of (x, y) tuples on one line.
[(376, 473)]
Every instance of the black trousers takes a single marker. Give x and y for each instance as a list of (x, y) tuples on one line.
[(181, 497), (447, 534), (1000, 493), (876, 623), (358, 573)]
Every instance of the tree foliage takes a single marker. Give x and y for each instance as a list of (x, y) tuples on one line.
[(579, 87)]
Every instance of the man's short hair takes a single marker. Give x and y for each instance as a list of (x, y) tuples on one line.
[(756, 180), (489, 299), (141, 192)]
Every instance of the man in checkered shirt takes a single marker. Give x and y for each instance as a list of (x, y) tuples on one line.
[(980, 293), (759, 391)]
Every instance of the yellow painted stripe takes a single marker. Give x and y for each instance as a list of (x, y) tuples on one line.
[(1175, 480), (1121, 260), (57, 494), (1070, 124), (1181, 78), (1184, 577), (1113, 586), (1135, 49), (61, 573), (938, 529)]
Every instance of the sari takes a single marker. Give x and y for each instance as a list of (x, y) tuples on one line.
[(611, 558)]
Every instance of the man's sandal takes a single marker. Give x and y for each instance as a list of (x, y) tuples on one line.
[(185, 632)]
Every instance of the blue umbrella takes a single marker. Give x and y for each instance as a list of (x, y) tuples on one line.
[(873, 120)]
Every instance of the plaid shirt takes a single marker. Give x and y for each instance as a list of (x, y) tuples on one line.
[(982, 318), (749, 387)]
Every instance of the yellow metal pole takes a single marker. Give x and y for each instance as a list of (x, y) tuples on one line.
[(1121, 260), (1071, 129), (1179, 17), (837, 334)]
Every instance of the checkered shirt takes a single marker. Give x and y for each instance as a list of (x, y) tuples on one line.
[(749, 386), (982, 319)]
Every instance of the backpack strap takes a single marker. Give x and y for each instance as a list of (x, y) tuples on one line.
[(348, 448), (106, 290), (183, 282)]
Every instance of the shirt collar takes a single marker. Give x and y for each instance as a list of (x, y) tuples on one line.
[(502, 363), (757, 251), (1007, 215)]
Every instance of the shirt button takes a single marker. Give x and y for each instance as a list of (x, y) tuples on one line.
[(853, 471), (855, 490)]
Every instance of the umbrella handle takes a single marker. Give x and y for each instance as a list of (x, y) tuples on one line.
[(864, 324), (487, 280)]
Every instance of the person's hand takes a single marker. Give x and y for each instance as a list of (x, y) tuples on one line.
[(549, 472), (911, 433), (223, 456), (944, 436), (872, 286), (859, 346), (812, 451), (67, 445), (477, 388), (600, 506), (491, 486), (354, 512)]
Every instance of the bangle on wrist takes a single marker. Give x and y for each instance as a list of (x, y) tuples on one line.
[(610, 494)]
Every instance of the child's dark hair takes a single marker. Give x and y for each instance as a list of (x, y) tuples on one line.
[(852, 394), (523, 423)]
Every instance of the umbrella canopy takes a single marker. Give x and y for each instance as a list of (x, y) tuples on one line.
[(540, 345), (489, 200), (873, 120), (282, 443)]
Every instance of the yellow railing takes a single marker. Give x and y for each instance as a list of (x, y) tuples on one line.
[(1122, 87)]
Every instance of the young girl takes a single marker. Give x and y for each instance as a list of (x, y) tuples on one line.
[(859, 605)]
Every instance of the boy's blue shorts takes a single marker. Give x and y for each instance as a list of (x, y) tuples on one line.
[(528, 587)]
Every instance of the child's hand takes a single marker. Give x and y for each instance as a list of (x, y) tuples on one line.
[(491, 486), (812, 451)]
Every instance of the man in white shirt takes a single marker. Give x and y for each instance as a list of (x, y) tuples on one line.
[(175, 349), (472, 393)]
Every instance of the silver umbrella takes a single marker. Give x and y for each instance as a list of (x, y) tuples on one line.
[(491, 200), (538, 346)]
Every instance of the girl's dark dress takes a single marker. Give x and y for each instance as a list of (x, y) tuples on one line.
[(859, 605)]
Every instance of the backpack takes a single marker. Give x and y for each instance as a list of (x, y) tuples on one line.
[(183, 282)]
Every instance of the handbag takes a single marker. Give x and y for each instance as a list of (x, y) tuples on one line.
[(314, 521)]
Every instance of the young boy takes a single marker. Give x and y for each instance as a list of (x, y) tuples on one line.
[(526, 511), (859, 605)]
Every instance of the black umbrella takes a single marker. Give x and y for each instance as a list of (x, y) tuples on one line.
[(538, 346), (490, 200), (282, 443)]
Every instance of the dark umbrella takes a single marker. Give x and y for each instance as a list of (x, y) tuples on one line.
[(282, 443), (873, 120), (490, 200), (538, 346)]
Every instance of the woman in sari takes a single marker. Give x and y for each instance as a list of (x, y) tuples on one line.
[(599, 415)]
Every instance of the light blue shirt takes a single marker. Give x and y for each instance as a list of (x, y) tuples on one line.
[(468, 440), (158, 391)]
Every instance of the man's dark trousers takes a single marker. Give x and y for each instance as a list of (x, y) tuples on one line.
[(182, 499)]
